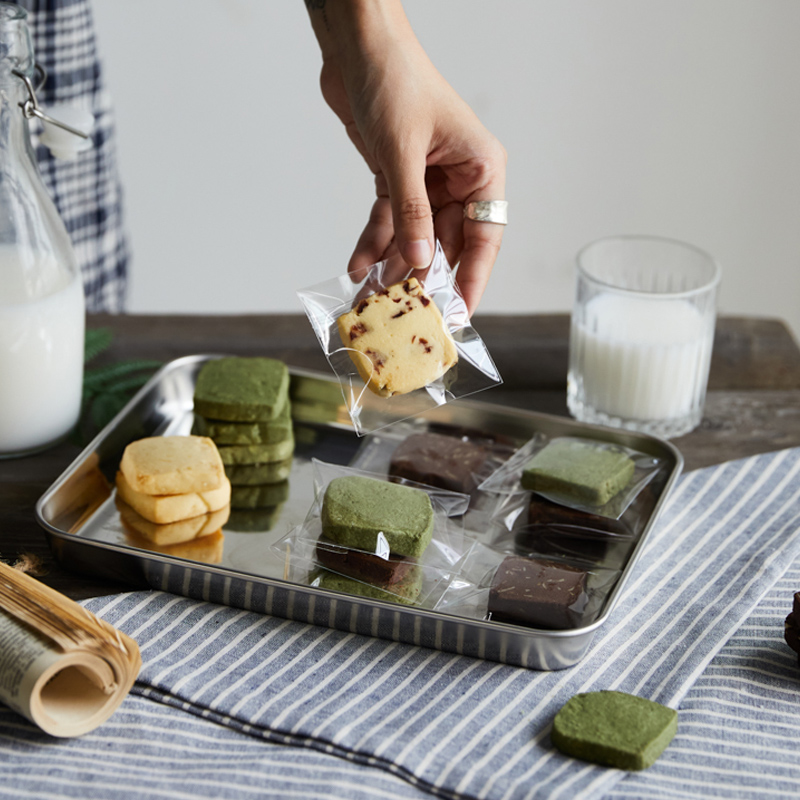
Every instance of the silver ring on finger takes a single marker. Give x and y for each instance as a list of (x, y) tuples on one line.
[(487, 211)]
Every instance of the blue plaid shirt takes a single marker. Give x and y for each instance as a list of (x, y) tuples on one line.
[(86, 190)]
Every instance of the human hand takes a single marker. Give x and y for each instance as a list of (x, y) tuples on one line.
[(429, 152)]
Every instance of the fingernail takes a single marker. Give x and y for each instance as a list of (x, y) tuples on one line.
[(418, 253)]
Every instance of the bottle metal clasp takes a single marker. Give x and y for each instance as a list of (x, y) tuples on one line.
[(57, 135), (30, 107)]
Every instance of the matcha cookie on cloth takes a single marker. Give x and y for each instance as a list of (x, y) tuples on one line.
[(614, 729)]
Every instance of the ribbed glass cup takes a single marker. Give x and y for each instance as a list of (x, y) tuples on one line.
[(641, 334)]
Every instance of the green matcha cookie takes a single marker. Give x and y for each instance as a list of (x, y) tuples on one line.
[(316, 390), (256, 453), (614, 729), (253, 520), (223, 432), (356, 509), (256, 474), (581, 471), (405, 591), (320, 413), (268, 494), (241, 389)]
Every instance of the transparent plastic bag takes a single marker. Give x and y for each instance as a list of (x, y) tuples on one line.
[(374, 569), (442, 456), (535, 591), (439, 455), (607, 549), (327, 302), (548, 463)]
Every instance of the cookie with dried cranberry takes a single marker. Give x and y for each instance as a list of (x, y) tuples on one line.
[(397, 339)]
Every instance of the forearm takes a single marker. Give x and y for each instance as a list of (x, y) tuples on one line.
[(425, 146), (349, 30)]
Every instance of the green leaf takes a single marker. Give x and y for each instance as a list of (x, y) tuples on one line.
[(108, 375), (128, 385), (107, 389), (96, 341), (106, 406)]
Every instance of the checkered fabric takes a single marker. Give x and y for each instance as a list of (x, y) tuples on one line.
[(86, 190)]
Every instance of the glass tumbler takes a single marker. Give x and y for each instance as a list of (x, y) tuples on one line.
[(641, 335)]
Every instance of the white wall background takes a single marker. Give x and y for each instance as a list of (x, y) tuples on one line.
[(674, 117)]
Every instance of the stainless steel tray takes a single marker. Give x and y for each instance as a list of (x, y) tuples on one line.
[(85, 532)]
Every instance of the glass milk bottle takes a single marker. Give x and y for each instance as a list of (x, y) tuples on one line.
[(41, 293)]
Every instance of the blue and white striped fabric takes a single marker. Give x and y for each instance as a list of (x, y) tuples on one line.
[(155, 752), (329, 714), (739, 731)]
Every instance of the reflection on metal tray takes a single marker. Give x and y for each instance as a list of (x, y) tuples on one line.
[(240, 568)]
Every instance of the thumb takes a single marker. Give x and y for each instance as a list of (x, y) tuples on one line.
[(411, 209)]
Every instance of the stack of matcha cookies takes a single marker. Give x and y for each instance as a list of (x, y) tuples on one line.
[(373, 533), (243, 405)]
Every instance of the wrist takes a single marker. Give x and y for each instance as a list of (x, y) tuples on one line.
[(349, 31)]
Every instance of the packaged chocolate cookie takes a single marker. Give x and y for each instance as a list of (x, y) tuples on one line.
[(401, 542), (546, 592), (398, 339), (531, 525), (596, 477), (448, 457)]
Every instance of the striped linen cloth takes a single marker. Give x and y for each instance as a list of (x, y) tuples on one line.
[(156, 752), (739, 730), (330, 714)]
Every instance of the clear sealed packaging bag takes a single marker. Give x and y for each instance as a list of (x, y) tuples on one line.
[(439, 455), (398, 339), (367, 536), (602, 548), (535, 591), (596, 477)]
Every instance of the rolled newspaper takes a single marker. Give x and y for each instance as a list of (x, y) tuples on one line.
[(62, 667)]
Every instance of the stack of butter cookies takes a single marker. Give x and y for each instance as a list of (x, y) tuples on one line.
[(243, 405), (173, 496)]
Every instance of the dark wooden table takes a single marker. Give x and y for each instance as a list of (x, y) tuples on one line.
[(753, 403)]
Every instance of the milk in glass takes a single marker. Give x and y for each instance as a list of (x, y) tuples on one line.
[(41, 295), (41, 356), (642, 333), (642, 358)]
